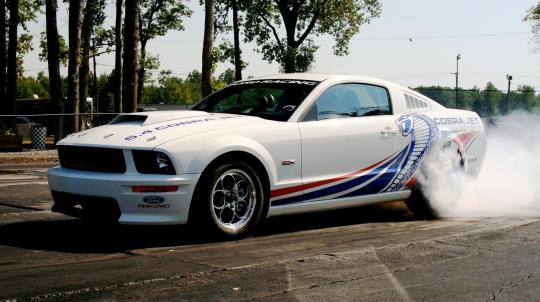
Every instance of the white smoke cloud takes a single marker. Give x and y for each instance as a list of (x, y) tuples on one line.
[(509, 182)]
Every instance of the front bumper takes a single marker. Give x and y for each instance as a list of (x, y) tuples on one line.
[(110, 196)]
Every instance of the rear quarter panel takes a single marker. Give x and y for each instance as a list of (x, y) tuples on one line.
[(466, 131)]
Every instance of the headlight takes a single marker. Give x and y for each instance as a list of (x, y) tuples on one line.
[(152, 162)]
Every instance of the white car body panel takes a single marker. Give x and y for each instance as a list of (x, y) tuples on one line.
[(311, 166)]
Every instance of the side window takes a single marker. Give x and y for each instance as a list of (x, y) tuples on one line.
[(350, 100)]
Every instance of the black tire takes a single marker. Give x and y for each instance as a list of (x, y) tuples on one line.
[(216, 202), (419, 205), (419, 202)]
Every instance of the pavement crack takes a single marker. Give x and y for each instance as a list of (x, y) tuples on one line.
[(462, 245), (19, 207), (509, 285), (65, 294)]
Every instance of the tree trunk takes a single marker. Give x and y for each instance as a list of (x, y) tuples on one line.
[(12, 61), (86, 35), (237, 51), (206, 84), (75, 23), (96, 90), (55, 84), (2, 54), (290, 60), (118, 58), (142, 71), (131, 47)]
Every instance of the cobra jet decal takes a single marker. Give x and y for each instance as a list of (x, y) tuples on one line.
[(390, 174)]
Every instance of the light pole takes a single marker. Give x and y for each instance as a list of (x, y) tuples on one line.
[(509, 78), (457, 78)]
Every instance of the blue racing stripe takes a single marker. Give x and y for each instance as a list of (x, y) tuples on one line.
[(345, 185)]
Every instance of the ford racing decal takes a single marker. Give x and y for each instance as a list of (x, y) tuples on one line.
[(154, 202), (154, 199)]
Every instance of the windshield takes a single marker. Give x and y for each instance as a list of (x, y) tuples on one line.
[(269, 99)]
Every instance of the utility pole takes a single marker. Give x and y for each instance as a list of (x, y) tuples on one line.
[(457, 79), (509, 78)]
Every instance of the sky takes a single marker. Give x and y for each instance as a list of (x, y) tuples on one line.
[(413, 42)]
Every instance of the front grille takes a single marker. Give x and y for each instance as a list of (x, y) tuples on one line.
[(92, 159)]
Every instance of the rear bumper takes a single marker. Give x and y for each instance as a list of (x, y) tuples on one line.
[(109, 196)]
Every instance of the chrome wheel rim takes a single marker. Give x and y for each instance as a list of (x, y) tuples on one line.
[(233, 200)]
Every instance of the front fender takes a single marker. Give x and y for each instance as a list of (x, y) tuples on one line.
[(194, 154)]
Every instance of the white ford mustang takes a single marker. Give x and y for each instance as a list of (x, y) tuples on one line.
[(276, 145)]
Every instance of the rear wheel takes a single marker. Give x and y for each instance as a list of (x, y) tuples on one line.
[(230, 200), (439, 183)]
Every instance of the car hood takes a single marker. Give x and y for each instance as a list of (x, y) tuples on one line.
[(150, 129)]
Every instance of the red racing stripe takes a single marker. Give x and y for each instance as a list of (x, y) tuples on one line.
[(302, 187)]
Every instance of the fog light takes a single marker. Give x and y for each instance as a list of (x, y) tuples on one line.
[(163, 162)]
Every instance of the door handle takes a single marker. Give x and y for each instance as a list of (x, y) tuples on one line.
[(389, 131)]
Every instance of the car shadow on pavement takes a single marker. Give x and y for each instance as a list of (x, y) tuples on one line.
[(79, 236)]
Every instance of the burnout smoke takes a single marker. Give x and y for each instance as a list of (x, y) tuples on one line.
[(509, 182)]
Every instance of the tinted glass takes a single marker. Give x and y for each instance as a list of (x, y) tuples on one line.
[(351, 100), (269, 99)]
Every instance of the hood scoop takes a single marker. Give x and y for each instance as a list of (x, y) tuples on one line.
[(149, 118), (128, 119)]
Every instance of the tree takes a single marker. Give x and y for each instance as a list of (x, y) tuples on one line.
[(118, 57), (228, 76), (533, 16), (130, 64), (53, 59), (63, 49), (92, 30), (208, 43), (75, 23), (29, 87), (223, 7), (491, 97), (302, 19), (157, 18), (11, 88), (524, 99), (2, 52), (236, 35)]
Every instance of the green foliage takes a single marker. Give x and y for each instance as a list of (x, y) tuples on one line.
[(533, 17), (28, 12), (302, 19), (27, 87), (224, 53), (171, 89), (160, 16), (151, 64), (227, 77), (24, 46), (491, 97), (487, 102), (43, 54)]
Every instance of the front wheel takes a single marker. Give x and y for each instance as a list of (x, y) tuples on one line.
[(231, 199)]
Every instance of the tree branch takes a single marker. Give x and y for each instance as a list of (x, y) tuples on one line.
[(274, 31), (309, 28)]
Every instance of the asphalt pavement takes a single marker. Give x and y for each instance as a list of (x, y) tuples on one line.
[(377, 253)]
